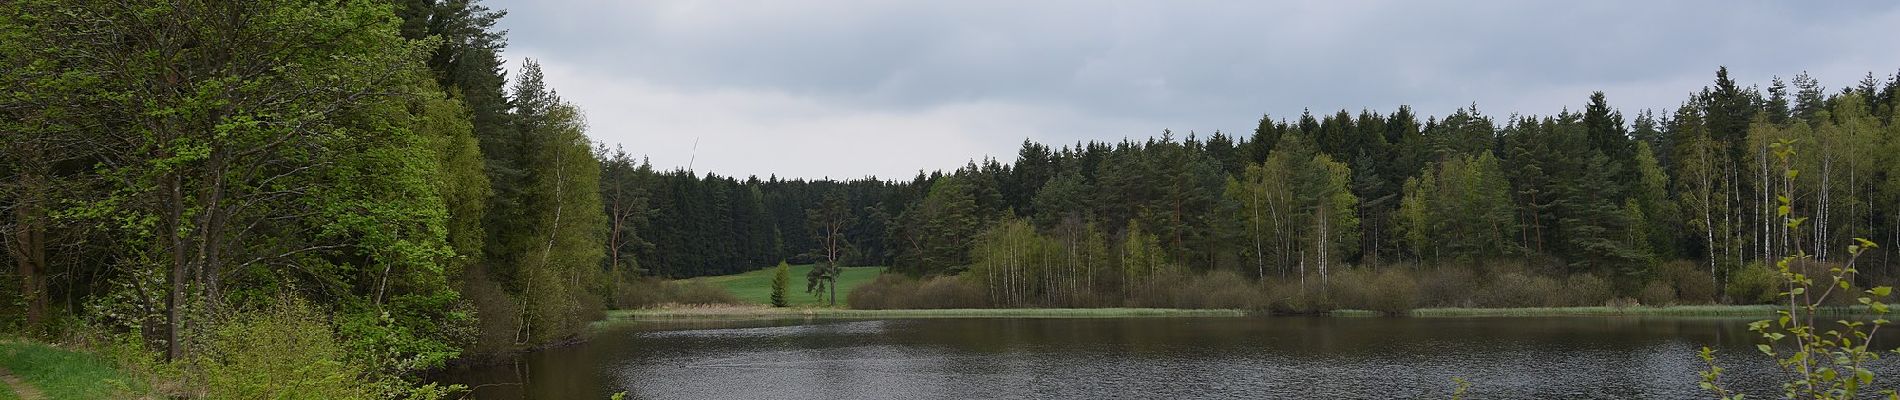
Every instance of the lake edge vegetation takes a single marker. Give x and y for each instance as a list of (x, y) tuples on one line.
[(361, 185)]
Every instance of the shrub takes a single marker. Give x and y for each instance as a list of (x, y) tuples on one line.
[(948, 292), (1514, 289), (1389, 290), (1691, 282), (1447, 287), (1394, 291), (1816, 269), (701, 292), (649, 292), (1656, 294), (1756, 283), (285, 351), (1218, 290), (1291, 296), (880, 293), (1347, 288), (1585, 290), (497, 314), (896, 291)]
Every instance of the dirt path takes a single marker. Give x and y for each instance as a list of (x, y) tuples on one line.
[(19, 387)]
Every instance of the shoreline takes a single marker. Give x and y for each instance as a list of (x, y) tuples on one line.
[(763, 312)]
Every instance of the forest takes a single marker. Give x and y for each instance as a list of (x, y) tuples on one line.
[(186, 177)]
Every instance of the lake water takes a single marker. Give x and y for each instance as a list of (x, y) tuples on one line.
[(1264, 357)]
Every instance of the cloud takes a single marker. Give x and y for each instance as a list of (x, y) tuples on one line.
[(740, 132), (903, 86)]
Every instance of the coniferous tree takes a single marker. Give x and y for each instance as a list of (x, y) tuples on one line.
[(781, 277)]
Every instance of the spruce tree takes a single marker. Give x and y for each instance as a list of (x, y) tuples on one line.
[(781, 277)]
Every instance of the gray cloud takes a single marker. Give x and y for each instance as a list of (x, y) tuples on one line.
[(850, 88)]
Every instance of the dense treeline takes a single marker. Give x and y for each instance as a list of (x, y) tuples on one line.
[(1580, 192), (196, 173), (184, 173)]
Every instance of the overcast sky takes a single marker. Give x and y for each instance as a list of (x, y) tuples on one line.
[(845, 89)]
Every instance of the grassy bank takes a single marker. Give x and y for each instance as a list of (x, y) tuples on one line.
[(814, 312), (795, 312), (1678, 311), (58, 373), (755, 287)]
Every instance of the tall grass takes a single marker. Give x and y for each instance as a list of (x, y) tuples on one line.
[(1677, 311), (66, 374), (1528, 287), (755, 311)]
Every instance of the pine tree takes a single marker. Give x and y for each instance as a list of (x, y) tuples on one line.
[(781, 277), (562, 247)]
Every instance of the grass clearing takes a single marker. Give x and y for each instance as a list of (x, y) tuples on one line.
[(64, 374), (755, 287), (1676, 311), (793, 312)]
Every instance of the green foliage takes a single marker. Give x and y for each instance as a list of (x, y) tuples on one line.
[(1825, 363), (755, 287), (1212, 290), (1517, 289), (896, 291), (284, 351), (1460, 211), (1756, 283), (939, 227), (652, 292), (1389, 291), (1141, 255), (781, 277)]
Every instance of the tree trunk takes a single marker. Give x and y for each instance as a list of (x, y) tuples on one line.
[(174, 315), (30, 255)]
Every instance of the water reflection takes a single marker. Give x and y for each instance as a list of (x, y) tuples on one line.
[(1575, 357)]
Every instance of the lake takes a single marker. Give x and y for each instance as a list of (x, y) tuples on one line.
[(1093, 358)]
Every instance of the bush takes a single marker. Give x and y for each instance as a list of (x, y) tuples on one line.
[(1291, 297), (1691, 282), (650, 292), (896, 291), (1516, 289), (1218, 290), (1818, 270), (1585, 290), (881, 293), (1756, 283), (497, 314), (1656, 294), (1390, 290), (285, 351), (1447, 287), (948, 292)]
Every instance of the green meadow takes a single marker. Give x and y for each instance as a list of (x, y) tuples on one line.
[(755, 287)]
